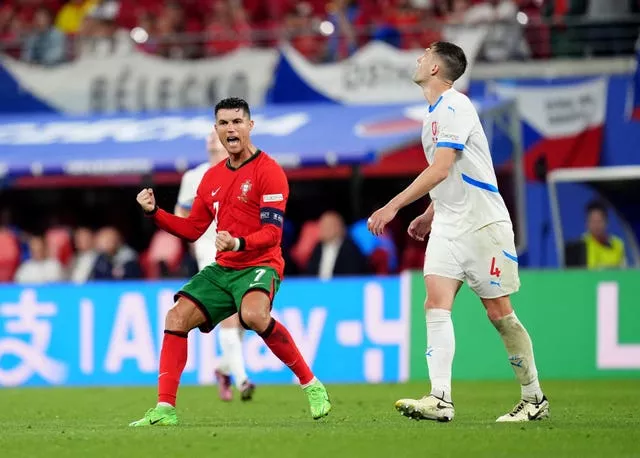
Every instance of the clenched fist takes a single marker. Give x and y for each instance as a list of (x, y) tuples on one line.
[(147, 200), (225, 242)]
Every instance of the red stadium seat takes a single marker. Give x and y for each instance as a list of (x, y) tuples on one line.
[(413, 255), (301, 251), (379, 261), (165, 248), (59, 241), (9, 255)]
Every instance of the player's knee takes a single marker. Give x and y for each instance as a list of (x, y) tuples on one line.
[(175, 320), (434, 302), (498, 307), (183, 317), (255, 317)]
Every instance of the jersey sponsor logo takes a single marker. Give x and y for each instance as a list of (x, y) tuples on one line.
[(450, 137), (272, 198), (213, 193), (273, 216), (244, 190)]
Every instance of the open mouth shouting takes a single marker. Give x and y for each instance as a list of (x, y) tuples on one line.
[(233, 141)]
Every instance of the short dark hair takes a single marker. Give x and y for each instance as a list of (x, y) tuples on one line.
[(597, 205), (233, 103), (455, 61)]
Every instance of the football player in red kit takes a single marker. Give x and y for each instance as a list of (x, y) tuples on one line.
[(246, 195)]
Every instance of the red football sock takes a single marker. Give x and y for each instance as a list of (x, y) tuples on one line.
[(173, 358), (282, 345)]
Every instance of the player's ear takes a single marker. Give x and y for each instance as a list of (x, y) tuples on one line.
[(435, 69), (251, 123)]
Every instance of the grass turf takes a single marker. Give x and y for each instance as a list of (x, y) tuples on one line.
[(589, 419)]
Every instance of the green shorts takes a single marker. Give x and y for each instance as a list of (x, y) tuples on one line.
[(218, 291)]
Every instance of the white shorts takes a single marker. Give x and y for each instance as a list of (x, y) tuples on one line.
[(486, 259)]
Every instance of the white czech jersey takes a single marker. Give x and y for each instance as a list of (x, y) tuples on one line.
[(468, 198), (205, 246)]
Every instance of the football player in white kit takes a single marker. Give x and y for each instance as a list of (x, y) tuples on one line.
[(471, 238), (231, 332)]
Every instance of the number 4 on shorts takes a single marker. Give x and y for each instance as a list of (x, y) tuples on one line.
[(494, 270)]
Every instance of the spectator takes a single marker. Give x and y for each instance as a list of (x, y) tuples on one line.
[(41, 267), (115, 261), (146, 22), (168, 25), (227, 29), (336, 253), (101, 36), (85, 258), (45, 45), (505, 40), (343, 14), (70, 17), (299, 28), (602, 250)]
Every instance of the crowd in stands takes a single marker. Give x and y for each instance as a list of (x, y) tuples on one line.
[(322, 248), (48, 32)]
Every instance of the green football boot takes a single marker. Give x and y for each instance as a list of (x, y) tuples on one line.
[(318, 400), (158, 416)]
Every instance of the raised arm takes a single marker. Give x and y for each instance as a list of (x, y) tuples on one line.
[(190, 228)]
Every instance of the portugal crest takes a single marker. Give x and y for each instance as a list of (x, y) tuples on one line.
[(244, 190)]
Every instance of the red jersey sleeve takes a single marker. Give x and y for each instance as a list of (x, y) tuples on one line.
[(190, 228), (274, 192)]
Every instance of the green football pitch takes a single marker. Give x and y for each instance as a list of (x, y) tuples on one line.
[(589, 419)]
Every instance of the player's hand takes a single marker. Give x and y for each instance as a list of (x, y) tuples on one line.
[(225, 242), (420, 227), (380, 219), (147, 200)]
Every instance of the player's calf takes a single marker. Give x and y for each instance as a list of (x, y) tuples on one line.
[(183, 317), (280, 342)]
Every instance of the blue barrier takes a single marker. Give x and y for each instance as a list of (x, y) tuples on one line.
[(351, 330)]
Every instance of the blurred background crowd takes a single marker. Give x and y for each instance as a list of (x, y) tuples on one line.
[(49, 32)]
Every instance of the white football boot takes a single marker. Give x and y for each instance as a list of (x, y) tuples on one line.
[(427, 408), (527, 411)]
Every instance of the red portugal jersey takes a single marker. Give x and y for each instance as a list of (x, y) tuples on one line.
[(248, 202)]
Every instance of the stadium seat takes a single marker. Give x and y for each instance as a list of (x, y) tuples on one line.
[(9, 255), (379, 261), (164, 248), (301, 251), (60, 245), (413, 255)]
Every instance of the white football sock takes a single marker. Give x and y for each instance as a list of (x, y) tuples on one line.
[(441, 346), (518, 344), (232, 357)]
